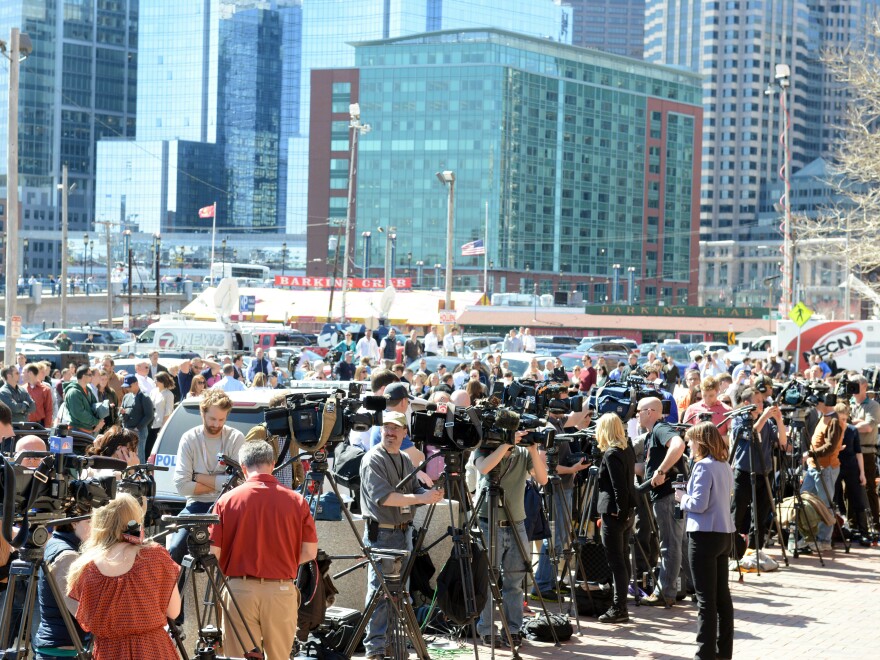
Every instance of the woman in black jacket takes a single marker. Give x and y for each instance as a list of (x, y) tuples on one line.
[(615, 504)]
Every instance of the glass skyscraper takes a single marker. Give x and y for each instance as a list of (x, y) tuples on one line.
[(78, 85), (218, 100), (331, 26), (615, 26), (577, 159)]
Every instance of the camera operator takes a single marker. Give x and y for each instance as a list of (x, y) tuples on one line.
[(61, 551), (823, 464), (515, 464), (708, 404), (124, 588), (689, 393), (615, 505), (558, 418), (388, 513), (664, 449), (262, 514), (767, 429), (198, 474), (865, 417)]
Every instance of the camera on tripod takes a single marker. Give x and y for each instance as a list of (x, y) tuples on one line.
[(799, 394), (139, 481), (315, 419), (54, 488), (447, 427), (622, 399)]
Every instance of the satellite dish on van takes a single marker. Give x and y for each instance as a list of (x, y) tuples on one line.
[(386, 301), (226, 297)]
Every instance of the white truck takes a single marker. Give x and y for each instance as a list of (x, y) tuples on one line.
[(853, 344), (203, 337)]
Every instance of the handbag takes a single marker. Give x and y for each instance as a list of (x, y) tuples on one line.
[(347, 464), (594, 562)]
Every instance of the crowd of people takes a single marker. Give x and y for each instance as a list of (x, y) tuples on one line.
[(708, 472)]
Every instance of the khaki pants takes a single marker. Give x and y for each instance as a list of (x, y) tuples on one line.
[(270, 612)]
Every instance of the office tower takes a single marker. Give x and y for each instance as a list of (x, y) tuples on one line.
[(77, 86), (615, 26), (578, 160)]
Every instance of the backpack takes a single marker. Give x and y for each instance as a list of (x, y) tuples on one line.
[(450, 586), (541, 628), (347, 464)]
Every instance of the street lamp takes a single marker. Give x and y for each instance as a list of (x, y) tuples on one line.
[(180, 260), (437, 268), (631, 285), (85, 263), (356, 128), (90, 264), (65, 193), (782, 84), (390, 245), (25, 264), (420, 265), (615, 289), (18, 48), (367, 237), (223, 268), (447, 178), (283, 259)]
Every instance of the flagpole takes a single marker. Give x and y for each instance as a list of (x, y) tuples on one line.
[(486, 255), (213, 236)]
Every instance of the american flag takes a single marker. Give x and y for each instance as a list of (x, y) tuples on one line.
[(473, 248)]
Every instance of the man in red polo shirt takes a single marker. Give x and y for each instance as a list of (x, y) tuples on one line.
[(588, 374), (265, 533), (708, 404)]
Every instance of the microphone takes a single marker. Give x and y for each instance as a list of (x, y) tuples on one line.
[(507, 420)]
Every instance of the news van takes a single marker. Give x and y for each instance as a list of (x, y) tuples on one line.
[(853, 344), (202, 337)]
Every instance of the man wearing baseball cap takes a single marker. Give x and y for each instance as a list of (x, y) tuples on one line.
[(388, 512), (397, 399), (137, 412)]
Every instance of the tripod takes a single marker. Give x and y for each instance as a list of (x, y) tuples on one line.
[(456, 491), (392, 586), (200, 560), (553, 496), (636, 545), (790, 474), (31, 560), (749, 436), (493, 496)]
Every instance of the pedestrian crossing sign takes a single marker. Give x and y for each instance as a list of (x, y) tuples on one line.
[(800, 314)]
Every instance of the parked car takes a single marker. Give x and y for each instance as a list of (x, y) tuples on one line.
[(558, 339), (613, 353), (248, 408), (479, 343), (84, 339), (519, 362)]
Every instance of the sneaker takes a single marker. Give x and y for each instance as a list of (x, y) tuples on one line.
[(614, 615), (497, 639), (517, 640), (657, 600), (547, 596)]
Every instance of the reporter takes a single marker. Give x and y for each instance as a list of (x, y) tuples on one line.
[(615, 505), (709, 530), (125, 590)]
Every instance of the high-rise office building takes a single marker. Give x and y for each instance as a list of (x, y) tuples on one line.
[(331, 26), (218, 99), (615, 26), (569, 161), (737, 45), (77, 86)]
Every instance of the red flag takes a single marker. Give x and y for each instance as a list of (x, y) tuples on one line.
[(206, 211)]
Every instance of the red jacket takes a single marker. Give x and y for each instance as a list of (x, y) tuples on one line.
[(42, 396)]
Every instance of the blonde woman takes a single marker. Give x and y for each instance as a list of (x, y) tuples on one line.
[(119, 579), (615, 505)]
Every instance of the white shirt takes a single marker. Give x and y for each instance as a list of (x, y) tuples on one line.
[(163, 405), (528, 343), (432, 345), (147, 385), (367, 348), (229, 384)]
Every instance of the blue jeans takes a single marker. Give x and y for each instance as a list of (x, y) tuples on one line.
[(178, 549), (811, 485), (375, 640), (513, 570), (671, 532), (545, 576), (143, 433)]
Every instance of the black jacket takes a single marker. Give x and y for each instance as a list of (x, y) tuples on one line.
[(52, 631), (616, 479)]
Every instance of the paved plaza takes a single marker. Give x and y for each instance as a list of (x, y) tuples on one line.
[(804, 610)]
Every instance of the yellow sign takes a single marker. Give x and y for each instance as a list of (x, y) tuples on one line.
[(800, 314), (731, 338)]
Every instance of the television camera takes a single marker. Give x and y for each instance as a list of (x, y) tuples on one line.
[(315, 419), (622, 399)]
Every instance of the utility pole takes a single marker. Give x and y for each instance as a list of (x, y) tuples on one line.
[(447, 178), (12, 218), (107, 224), (157, 243), (65, 193), (126, 242), (356, 128)]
